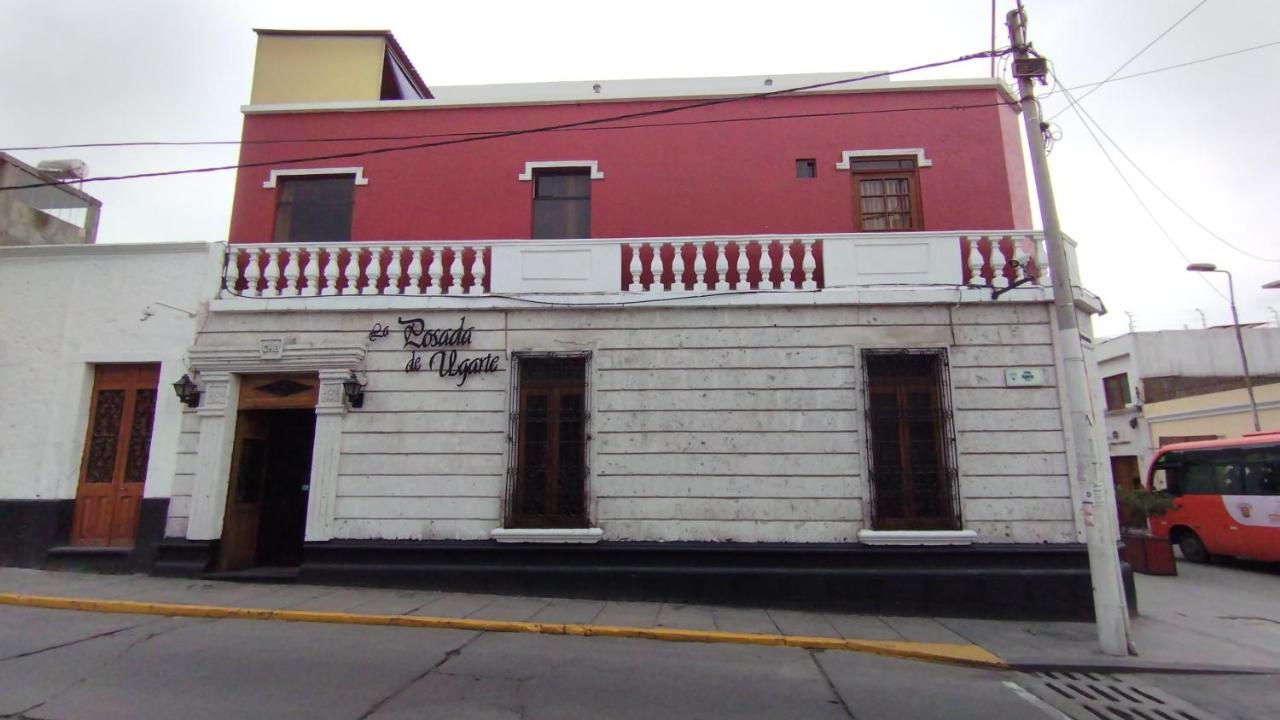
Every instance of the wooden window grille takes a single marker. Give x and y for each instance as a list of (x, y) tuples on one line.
[(913, 476), (548, 469)]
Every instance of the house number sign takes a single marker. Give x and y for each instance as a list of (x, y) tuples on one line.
[(442, 343)]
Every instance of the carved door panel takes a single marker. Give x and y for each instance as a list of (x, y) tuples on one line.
[(117, 445), (244, 492)]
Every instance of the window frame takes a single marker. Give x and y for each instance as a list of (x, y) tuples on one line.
[(512, 518), (912, 176), (946, 453), (1117, 398), (285, 181), (560, 202)]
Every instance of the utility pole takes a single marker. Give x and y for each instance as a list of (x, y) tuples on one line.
[(1098, 511)]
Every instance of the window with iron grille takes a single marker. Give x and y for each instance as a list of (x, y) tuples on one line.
[(549, 467), (562, 203), (315, 209), (912, 459), (886, 194)]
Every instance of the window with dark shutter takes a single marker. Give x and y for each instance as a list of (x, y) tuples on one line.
[(1116, 388), (315, 209), (913, 478), (550, 443), (562, 203)]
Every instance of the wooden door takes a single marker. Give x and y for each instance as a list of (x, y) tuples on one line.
[(113, 470), (244, 492)]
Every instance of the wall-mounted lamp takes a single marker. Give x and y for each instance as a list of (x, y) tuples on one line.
[(354, 390), (187, 392)]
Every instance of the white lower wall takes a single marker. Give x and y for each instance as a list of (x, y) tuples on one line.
[(64, 309), (732, 423)]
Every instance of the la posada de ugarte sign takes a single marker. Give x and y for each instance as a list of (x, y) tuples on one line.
[(440, 348)]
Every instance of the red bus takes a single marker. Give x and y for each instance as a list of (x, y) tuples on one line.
[(1226, 497)]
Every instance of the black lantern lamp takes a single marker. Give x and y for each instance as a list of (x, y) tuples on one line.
[(354, 390), (187, 392)]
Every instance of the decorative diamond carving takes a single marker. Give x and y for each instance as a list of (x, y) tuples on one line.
[(283, 387)]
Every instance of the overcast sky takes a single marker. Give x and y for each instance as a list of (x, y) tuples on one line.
[(81, 71)]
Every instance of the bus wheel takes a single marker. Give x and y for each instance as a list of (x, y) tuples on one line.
[(1192, 548)]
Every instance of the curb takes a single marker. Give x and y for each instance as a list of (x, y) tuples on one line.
[(946, 653), (1112, 667)]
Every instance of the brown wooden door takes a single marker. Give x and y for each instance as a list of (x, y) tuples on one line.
[(117, 445), (244, 492)]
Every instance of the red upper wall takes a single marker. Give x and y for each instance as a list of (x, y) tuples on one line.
[(720, 178)]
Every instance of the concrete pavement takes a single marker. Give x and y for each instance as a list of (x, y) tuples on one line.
[(1219, 618)]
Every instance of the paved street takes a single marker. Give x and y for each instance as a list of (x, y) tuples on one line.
[(68, 665)]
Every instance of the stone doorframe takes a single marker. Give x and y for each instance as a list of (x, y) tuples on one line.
[(218, 371)]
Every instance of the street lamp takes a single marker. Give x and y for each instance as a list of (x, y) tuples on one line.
[(1235, 319)]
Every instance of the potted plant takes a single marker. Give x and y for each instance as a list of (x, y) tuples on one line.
[(1145, 553)]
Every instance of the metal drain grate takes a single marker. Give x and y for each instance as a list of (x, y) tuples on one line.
[(1098, 696)]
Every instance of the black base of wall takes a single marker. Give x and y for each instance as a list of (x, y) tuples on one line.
[(992, 581), (34, 533)]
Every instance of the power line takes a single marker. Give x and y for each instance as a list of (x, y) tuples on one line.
[(1075, 105), (370, 138), (513, 133), (1135, 56)]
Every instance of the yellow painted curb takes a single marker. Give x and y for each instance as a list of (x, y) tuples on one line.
[(949, 653)]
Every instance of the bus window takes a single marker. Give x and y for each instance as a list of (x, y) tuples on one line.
[(1160, 479), (1261, 478), (1198, 478)]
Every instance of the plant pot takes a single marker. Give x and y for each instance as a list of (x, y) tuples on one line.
[(1148, 555)]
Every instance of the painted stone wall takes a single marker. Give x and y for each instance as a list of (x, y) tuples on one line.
[(730, 423)]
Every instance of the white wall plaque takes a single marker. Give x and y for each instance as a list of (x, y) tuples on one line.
[(1023, 377), (271, 348)]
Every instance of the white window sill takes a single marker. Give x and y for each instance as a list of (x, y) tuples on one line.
[(917, 537), (549, 535)]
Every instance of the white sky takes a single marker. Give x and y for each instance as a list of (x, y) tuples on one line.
[(83, 71)]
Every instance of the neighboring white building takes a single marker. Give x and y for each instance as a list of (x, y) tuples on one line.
[(1146, 369), (66, 313)]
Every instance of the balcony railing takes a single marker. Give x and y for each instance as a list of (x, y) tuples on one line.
[(653, 266)]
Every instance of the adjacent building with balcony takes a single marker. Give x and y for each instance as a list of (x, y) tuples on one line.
[(694, 339)]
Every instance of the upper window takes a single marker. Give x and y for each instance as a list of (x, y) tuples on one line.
[(1116, 388), (886, 195), (315, 208), (562, 203)]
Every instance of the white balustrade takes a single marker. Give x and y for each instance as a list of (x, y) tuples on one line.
[(318, 270)]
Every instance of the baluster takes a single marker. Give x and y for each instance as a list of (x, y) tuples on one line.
[(469, 268), (633, 279), (808, 266), (766, 265), (1042, 262), (393, 271), (654, 267), (448, 270), (312, 270), (435, 270), (274, 270), (1020, 259), (252, 272), (742, 266), (413, 273), (699, 267), (352, 273), (722, 264), (478, 273), (788, 266), (293, 278), (998, 261), (677, 268), (330, 271), (975, 263)]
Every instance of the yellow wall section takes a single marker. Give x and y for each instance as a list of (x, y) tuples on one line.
[(1231, 425), (305, 68)]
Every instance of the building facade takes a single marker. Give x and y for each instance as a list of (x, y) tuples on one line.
[(693, 339)]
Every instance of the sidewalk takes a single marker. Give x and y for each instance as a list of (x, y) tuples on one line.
[(1191, 623)]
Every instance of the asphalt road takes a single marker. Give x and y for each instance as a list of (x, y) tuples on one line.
[(72, 665)]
